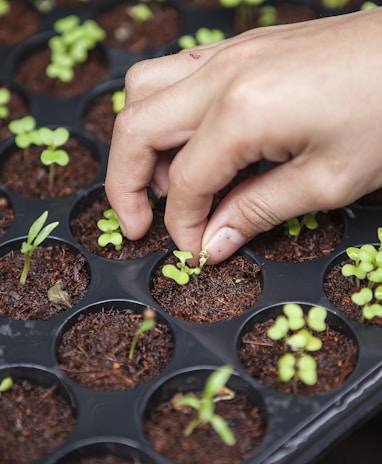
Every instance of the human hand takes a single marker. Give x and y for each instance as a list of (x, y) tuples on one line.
[(305, 95)]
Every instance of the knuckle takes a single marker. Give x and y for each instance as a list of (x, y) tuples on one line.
[(136, 80)]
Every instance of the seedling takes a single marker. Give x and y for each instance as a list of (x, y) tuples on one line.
[(334, 4), (147, 324), (244, 11), (111, 231), (202, 36), (118, 100), (72, 45), (181, 272), (296, 329), (295, 225), (368, 6), (4, 8), (51, 155), (5, 97), (6, 384), (36, 235), (214, 390), (24, 129)]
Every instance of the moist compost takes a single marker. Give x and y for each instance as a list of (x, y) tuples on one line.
[(50, 266), (21, 22), (99, 118), (95, 350), (7, 214), (219, 293)]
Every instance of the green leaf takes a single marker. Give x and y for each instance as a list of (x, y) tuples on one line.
[(6, 384), (374, 310), (221, 428), (5, 96), (188, 400), (115, 238), (53, 156), (279, 329), (186, 41), (108, 225), (172, 272), (36, 227), (307, 372), (44, 233), (316, 318), (217, 380), (362, 297), (287, 369), (295, 315)]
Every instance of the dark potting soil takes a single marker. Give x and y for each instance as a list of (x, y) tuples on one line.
[(95, 350), (165, 427), (31, 178), (50, 266), (17, 109), (7, 214), (99, 118), (84, 228), (21, 22), (221, 292), (336, 359), (34, 420), (339, 290), (30, 72), (122, 32), (276, 245)]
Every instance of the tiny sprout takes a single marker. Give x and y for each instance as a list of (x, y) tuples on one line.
[(147, 324), (303, 368), (24, 129), (36, 235), (334, 4), (368, 6), (214, 390), (111, 231), (5, 96), (295, 225), (51, 155), (118, 100), (203, 36), (181, 272), (4, 7), (6, 384), (140, 13)]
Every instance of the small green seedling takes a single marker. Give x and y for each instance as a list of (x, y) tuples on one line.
[(118, 100), (202, 36), (296, 328), (147, 324), (6, 384), (72, 45), (5, 97), (52, 155), (334, 4), (368, 6), (4, 8), (295, 225), (36, 235), (111, 231), (140, 13), (181, 272), (24, 129), (214, 390), (244, 12)]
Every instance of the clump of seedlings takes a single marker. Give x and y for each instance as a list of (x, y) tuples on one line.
[(36, 235), (215, 389), (181, 272), (72, 46), (6, 384), (111, 230), (118, 100), (297, 331), (294, 226), (147, 324), (202, 36), (365, 270), (5, 97)]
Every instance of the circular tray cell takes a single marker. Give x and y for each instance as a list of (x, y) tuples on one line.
[(20, 22), (165, 423), (22, 171), (339, 290), (105, 453), (278, 245), (7, 213), (58, 278), (260, 355), (98, 112), (36, 415), (115, 346), (16, 107), (219, 293), (90, 210), (33, 58), (122, 31)]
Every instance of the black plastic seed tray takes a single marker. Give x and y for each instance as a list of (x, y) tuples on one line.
[(298, 427)]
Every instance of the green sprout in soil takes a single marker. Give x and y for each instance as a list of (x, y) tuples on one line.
[(297, 331), (36, 235), (214, 390), (202, 36), (368, 6), (5, 97), (295, 225), (118, 100), (147, 324), (244, 12), (52, 155), (4, 8), (365, 272), (24, 130), (6, 384), (72, 46), (334, 4), (181, 272), (111, 231)]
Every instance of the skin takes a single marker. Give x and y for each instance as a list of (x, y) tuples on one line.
[(306, 95)]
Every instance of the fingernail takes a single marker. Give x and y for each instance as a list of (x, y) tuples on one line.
[(156, 190), (224, 243)]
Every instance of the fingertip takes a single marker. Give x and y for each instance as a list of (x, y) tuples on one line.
[(222, 244)]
